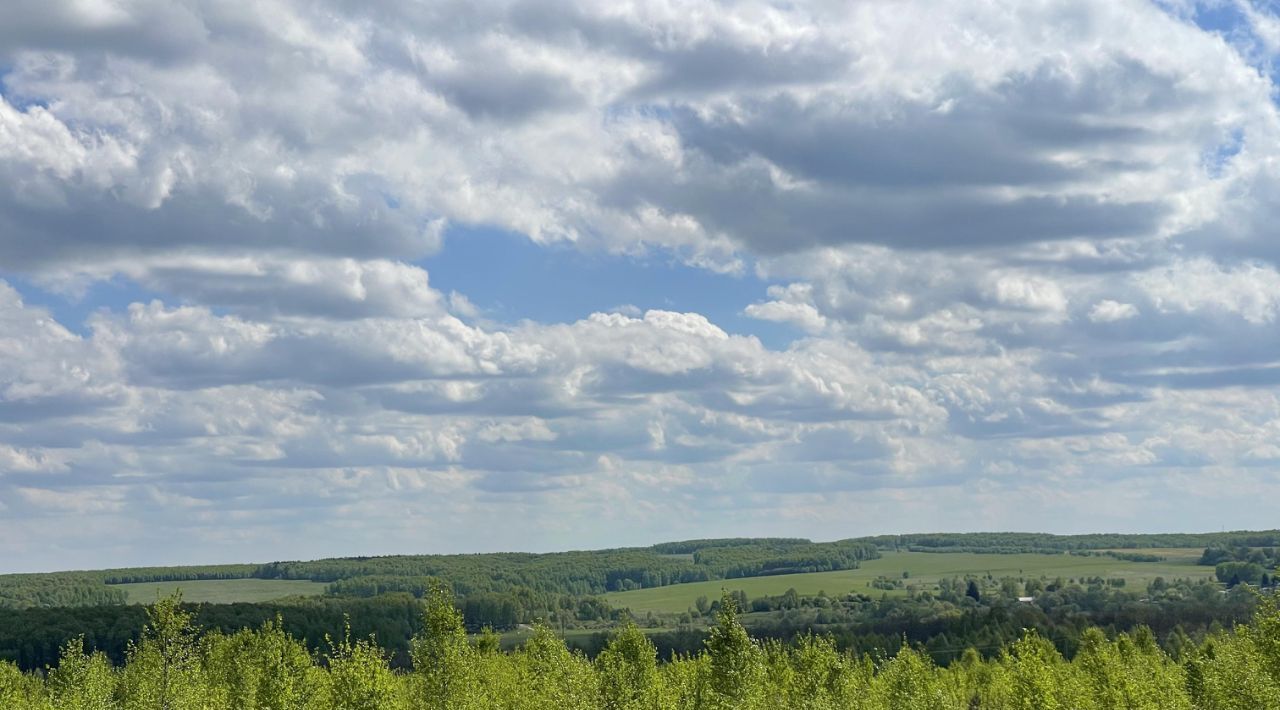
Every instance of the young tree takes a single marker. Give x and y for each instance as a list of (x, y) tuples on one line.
[(1264, 632), (685, 682), (163, 670), (19, 691), (1040, 678), (910, 680), (553, 678), (82, 681), (443, 662), (1132, 672), (1009, 588), (737, 663), (822, 678), (359, 676), (488, 643), (262, 670), (628, 671)]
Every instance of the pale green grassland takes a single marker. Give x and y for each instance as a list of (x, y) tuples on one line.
[(222, 591), (925, 569)]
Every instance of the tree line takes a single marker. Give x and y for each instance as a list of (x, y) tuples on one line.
[(578, 573), (979, 612), (583, 573), (1020, 543), (174, 665)]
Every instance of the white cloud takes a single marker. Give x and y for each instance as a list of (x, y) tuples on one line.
[(790, 305), (955, 223), (1109, 311), (1030, 292), (75, 502), (1250, 291), (48, 371)]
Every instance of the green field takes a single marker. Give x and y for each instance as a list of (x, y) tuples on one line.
[(222, 591), (925, 569)]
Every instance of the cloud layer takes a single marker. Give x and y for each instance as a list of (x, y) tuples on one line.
[(1023, 254)]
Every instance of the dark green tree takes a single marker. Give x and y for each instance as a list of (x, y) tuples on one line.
[(972, 591)]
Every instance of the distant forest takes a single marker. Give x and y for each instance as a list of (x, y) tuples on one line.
[(525, 576), (381, 596)]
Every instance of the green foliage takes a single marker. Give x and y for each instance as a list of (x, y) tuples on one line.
[(164, 670), (737, 662), (1013, 543), (175, 665), (1264, 633), (1132, 672), (1040, 679), (19, 691), (19, 591), (909, 680), (500, 589), (82, 681), (34, 637), (817, 676), (628, 671), (262, 670), (360, 679), (60, 589), (942, 620), (1231, 673), (1233, 573), (552, 677), (685, 682), (764, 559), (444, 663), (580, 573)]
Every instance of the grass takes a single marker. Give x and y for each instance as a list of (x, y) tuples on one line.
[(222, 591), (925, 569)]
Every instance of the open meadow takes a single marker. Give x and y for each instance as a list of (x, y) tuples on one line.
[(924, 569)]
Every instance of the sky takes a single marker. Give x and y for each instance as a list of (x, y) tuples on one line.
[(287, 280)]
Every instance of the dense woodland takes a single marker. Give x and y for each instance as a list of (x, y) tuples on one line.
[(978, 612), (1014, 543), (517, 574), (176, 666), (523, 575)]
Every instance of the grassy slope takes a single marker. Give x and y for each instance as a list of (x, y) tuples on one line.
[(925, 569), (222, 591)]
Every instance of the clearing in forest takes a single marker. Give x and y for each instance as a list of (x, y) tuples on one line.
[(222, 591), (924, 569)]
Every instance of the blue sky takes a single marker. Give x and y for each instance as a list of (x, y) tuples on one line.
[(505, 276), (309, 279)]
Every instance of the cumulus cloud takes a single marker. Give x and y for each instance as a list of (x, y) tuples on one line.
[(1020, 252), (1249, 291), (49, 371), (1108, 311)]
